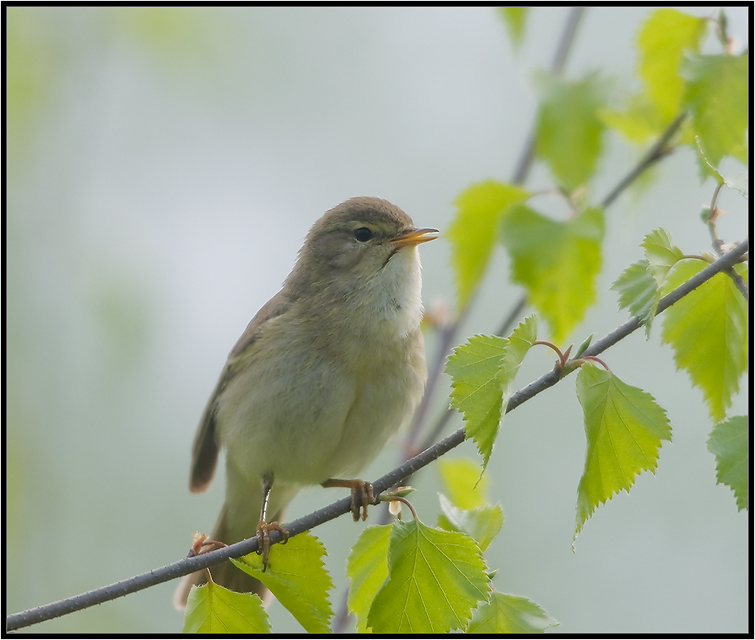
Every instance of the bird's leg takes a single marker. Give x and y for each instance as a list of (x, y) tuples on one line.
[(358, 487), (264, 528)]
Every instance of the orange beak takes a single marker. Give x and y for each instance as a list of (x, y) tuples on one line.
[(413, 237)]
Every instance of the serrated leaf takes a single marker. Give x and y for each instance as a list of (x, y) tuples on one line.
[(435, 579), (662, 41), (297, 577), (473, 231), (477, 392), (568, 131), (661, 254), (707, 329), (367, 568), (730, 443), (624, 428), (638, 292), (506, 613), (716, 94), (212, 608), (740, 183), (463, 481), (639, 285), (482, 524), (520, 341), (557, 262), (515, 19)]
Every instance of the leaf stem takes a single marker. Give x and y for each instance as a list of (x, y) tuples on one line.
[(390, 498), (595, 359)]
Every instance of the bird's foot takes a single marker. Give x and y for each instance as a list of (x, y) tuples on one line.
[(263, 535), (358, 488)]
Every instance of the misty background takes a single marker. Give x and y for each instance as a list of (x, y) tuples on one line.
[(164, 166)]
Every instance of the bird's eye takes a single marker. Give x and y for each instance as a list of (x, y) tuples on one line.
[(363, 234)]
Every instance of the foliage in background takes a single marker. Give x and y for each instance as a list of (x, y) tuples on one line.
[(408, 577)]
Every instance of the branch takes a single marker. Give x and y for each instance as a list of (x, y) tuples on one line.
[(659, 150), (202, 561), (557, 66)]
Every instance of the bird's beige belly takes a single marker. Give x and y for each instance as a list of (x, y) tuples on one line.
[(306, 438)]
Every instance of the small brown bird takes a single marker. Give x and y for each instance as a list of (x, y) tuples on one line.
[(325, 373)]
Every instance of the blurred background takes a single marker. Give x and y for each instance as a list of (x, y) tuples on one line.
[(164, 166)]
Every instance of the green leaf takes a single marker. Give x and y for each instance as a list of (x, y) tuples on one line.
[(569, 133), (557, 262), (367, 568), (707, 329), (717, 93), (583, 346), (520, 341), (297, 577), (509, 614), (212, 608), (639, 286), (662, 41), (477, 391), (638, 123), (482, 373), (473, 231), (624, 428), (638, 292), (435, 579), (515, 19), (463, 482), (481, 524), (730, 443), (660, 254)]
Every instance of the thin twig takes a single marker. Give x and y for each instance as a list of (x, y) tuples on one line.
[(202, 561), (718, 243), (560, 56), (711, 222), (659, 150)]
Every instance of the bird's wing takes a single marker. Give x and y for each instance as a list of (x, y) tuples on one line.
[(204, 454)]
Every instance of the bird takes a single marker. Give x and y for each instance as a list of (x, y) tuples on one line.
[(323, 376)]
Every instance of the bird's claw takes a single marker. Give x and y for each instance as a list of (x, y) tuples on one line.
[(263, 535)]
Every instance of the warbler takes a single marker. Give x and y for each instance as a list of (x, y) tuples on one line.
[(325, 373)]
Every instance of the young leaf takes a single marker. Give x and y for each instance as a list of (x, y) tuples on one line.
[(481, 524), (707, 329), (212, 608), (509, 614), (461, 479), (716, 93), (473, 232), (520, 341), (624, 428), (730, 443), (638, 292), (638, 123), (660, 254), (297, 577), (515, 19), (477, 392), (435, 579), (662, 41), (557, 262), (569, 133), (367, 568)]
